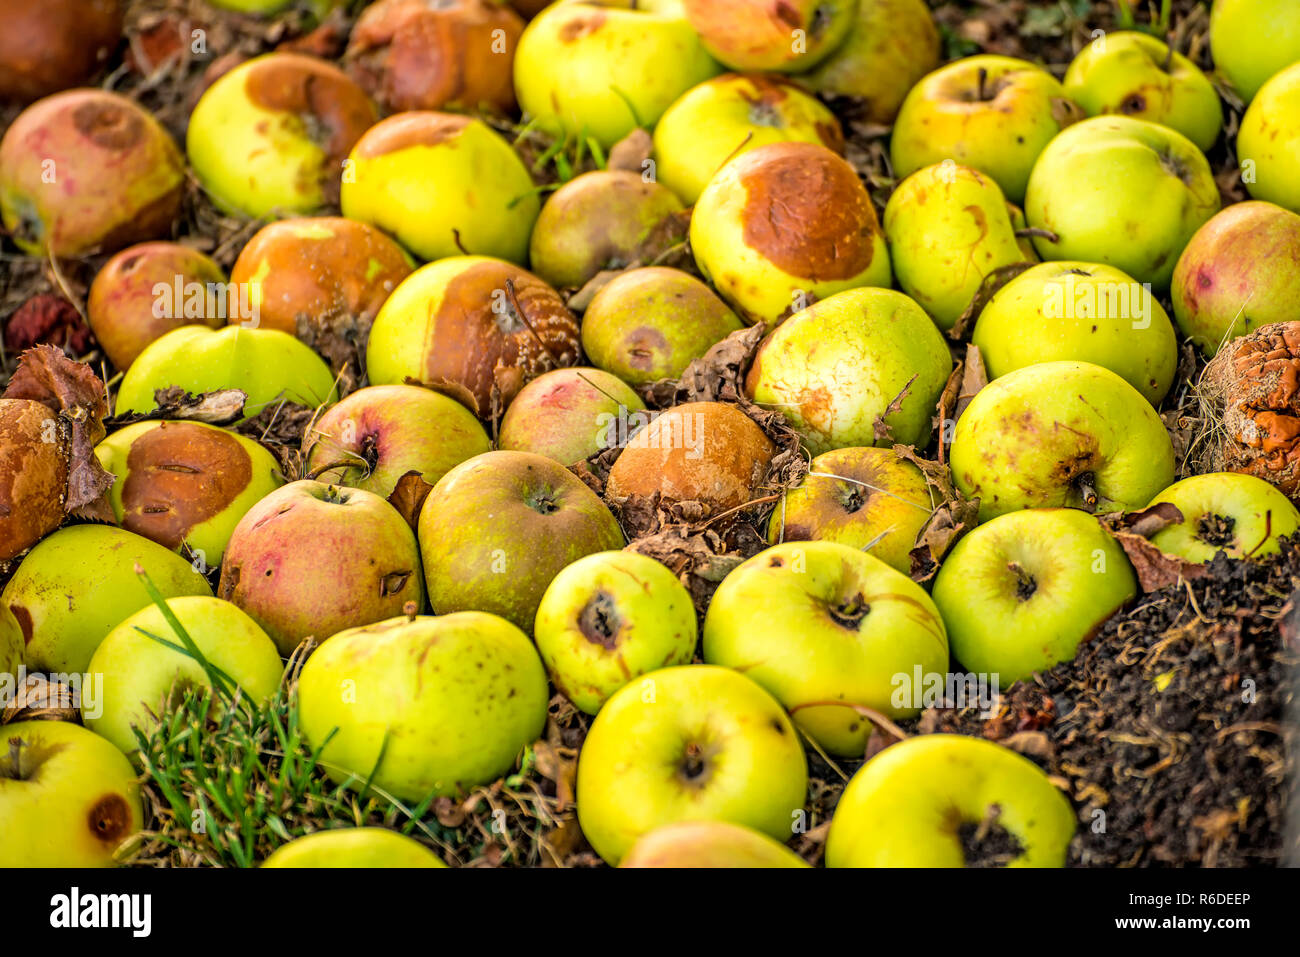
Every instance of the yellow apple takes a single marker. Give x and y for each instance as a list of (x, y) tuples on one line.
[(353, 847)]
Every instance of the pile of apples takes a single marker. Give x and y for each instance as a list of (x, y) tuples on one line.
[(509, 335)]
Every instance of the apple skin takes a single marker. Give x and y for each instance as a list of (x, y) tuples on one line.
[(602, 68), (1257, 516), (782, 222), (1112, 176), (117, 176), (353, 847), (836, 366), (760, 35), (449, 702), (711, 844), (1270, 138), (563, 414), (948, 227), (78, 583), (648, 324), (904, 806), (1035, 437), (35, 474), (496, 530), (1240, 271), (1128, 332), (12, 655), (723, 117), (1125, 72), (382, 432), (269, 366), (1021, 592), (1252, 40), (692, 743), (52, 46), (140, 674), (849, 625), (609, 618), (881, 511), (269, 137), (77, 801), (442, 185), (314, 559), (949, 115)]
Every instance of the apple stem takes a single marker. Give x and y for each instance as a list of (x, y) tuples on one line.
[(983, 79), (1087, 490)]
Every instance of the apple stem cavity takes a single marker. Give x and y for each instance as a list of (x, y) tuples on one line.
[(849, 614), (1217, 530), (1087, 490), (1025, 583), (15, 769), (600, 622)]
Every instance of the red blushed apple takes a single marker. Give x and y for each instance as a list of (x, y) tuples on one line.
[(134, 300), (314, 559), (566, 414), (52, 45)]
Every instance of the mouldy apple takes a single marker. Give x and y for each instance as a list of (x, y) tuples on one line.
[(270, 137), (314, 559), (848, 625), (1240, 271), (141, 674), (78, 583), (567, 414), (68, 798), (269, 366), (609, 618), (474, 327), (87, 171), (605, 219), (601, 68), (48, 47), (1268, 143), (784, 224), (759, 35), (442, 185), (1115, 176), (870, 499), (723, 117), (498, 528), (1021, 592), (354, 847), (423, 705), (693, 743), (711, 844), (1083, 311), (185, 482), (864, 367), (1252, 40), (993, 113), (1060, 433), (648, 324), (379, 433), (1226, 511), (937, 791)]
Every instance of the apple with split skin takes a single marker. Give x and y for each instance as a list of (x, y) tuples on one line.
[(1269, 139), (567, 414), (711, 844), (55, 45), (1225, 511), (354, 847), (763, 35), (1252, 40)]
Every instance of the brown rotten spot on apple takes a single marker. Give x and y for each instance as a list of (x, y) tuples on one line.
[(412, 129), (769, 91), (109, 819)]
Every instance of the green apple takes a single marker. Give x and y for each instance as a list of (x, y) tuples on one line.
[(354, 847), (994, 113), (648, 324), (1115, 176), (609, 618), (141, 674), (421, 705), (849, 625), (1088, 312), (1251, 40), (602, 68), (496, 530), (760, 35), (564, 414), (1060, 433), (268, 366), (1021, 592), (68, 798), (870, 499), (185, 482), (1138, 75), (923, 802), (269, 137), (948, 227), (692, 743), (1268, 143), (1240, 271), (723, 117), (784, 223), (12, 646), (711, 844), (840, 365), (1226, 511), (75, 586)]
